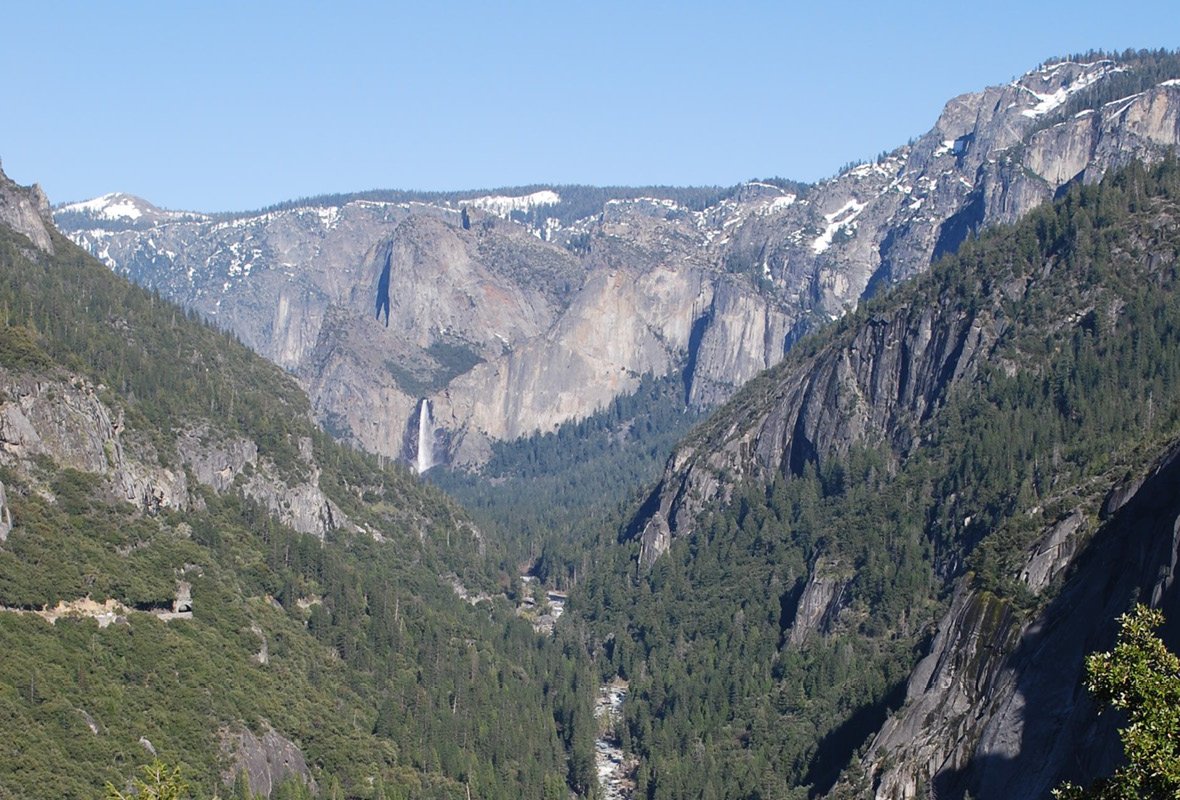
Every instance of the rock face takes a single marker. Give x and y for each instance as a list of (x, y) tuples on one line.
[(267, 760), (820, 601), (25, 209), (511, 321), (5, 516), (997, 708), (66, 420), (224, 463), (872, 385)]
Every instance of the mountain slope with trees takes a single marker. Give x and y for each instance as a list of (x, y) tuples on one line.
[(935, 466), (163, 591), (514, 314)]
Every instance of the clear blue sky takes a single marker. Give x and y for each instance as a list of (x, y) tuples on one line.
[(234, 105)]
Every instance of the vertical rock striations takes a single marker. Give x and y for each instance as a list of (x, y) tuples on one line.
[(997, 707), (25, 209), (511, 321)]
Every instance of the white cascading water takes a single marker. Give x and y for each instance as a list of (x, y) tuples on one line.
[(425, 437)]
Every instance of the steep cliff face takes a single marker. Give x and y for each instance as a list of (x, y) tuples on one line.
[(961, 397), (646, 284), (65, 419), (997, 708), (873, 384), (431, 302), (267, 761), (25, 209)]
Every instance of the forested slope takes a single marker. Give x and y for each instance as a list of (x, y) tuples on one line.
[(771, 599), (189, 568)]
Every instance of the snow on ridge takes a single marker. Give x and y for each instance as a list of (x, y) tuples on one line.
[(328, 215), (662, 202), (1172, 82), (777, 203), (121, 206), (1125, 101), (114, 205), (1048, 71), (764, 185), (502, 206), (844, 217), (871, 168), (375, 204), (1051, 100)]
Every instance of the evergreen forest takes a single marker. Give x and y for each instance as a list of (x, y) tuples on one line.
[(733, 694), (404, 651), (358, 647)]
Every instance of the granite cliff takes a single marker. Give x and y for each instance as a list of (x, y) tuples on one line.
[(1041, 508), (191, 570), (511, 315), (996, 707)]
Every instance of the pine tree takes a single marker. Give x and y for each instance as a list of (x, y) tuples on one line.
[(159, 782)]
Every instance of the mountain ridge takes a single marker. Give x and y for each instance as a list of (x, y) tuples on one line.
[(872, 572), (905, 536), (712, 288), (190, 569)]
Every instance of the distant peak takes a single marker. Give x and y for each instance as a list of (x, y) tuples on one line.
[(122, 207), (114, 205)]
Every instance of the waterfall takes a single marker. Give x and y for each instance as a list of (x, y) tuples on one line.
[(425, 437)]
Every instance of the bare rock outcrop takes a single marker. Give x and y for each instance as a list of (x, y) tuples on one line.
[(871, 386), (997, 707), (67, 420), (26, 210), (5, 516), (267, 760), (226, 463), (507, 332), (820, 602)]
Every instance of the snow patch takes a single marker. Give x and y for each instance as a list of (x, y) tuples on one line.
[(1051, 100), (661, 202), (503, 206), (109, 206), (844, 218), (865, 170), (327, 216), (779, 203), (1126, 103)]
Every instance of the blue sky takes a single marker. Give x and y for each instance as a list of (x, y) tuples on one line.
[(235, 105)]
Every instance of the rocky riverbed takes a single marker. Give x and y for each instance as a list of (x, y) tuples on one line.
[(616, 770)]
